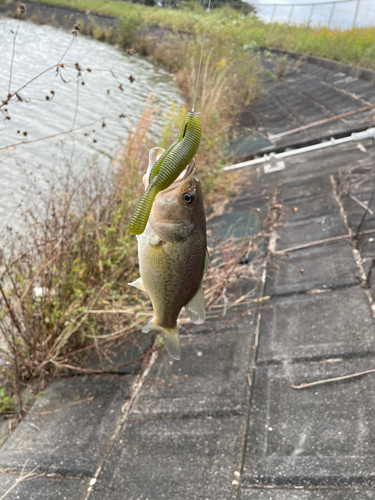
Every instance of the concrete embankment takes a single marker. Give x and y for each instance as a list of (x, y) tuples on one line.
[(66, 18), (226, 422), (58, 16)]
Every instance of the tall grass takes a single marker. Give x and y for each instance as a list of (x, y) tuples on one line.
[(353, 46), (73, 259), (72, 263), (228, 81)]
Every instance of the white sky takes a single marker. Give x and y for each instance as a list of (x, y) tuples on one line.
[(343, 14)]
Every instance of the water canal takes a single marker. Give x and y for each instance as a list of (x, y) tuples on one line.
[(106, 93)]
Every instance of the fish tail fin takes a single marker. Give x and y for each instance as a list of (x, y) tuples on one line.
[(172, 342), (171, 338), (141, 214)]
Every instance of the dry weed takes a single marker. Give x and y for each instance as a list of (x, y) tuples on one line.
[(72, 263)]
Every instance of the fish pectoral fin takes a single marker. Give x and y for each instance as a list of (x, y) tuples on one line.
[(207, 262), (171, 338), (138, 284), (195, 308)]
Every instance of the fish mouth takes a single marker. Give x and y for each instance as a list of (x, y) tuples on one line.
[(181, 179)]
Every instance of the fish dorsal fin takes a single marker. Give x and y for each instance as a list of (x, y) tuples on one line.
[(138, 284), (195, 308), (207, 262), (153, 156)]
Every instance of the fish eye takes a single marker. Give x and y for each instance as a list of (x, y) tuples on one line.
[(188, 197)]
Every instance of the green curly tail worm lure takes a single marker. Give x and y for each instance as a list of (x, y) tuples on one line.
[(168, 167)]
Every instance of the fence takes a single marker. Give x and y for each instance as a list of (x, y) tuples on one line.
[(337, 13)]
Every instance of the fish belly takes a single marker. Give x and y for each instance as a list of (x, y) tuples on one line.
[(171, 274)]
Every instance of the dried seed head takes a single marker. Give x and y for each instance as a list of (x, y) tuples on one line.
[(22, 9), (76, 28)]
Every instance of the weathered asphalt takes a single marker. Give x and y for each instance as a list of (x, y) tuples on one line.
[(225, 422)]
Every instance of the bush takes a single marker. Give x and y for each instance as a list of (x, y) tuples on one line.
[(127, 31), (75, 258)]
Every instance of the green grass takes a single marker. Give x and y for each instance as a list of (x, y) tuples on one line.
[(354, 46)]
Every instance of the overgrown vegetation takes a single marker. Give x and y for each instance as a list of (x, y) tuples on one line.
[(353, 46), (229, 79), (225, 86), (72, 262), (63, 283)]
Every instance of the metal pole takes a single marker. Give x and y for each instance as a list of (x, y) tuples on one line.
[(331, 15), (273, 13), (356, 136), (311, 13), (291, 13), (356, 13)]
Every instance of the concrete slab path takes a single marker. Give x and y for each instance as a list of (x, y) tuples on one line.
[(225, 422), (305, 93)]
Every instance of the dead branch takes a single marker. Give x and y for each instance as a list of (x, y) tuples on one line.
[(70, 131), (321, 242), (334, 379)]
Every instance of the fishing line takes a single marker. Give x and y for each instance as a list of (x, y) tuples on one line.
[(200, 60)]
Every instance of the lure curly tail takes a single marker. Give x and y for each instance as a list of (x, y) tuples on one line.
[(168, 167), (141, 214)]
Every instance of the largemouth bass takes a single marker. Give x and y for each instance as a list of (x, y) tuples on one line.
[(173, 255), (167, 168)]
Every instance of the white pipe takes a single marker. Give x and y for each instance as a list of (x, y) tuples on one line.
[(356, 136)]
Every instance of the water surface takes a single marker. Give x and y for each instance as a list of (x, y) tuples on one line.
[(107, 92)]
